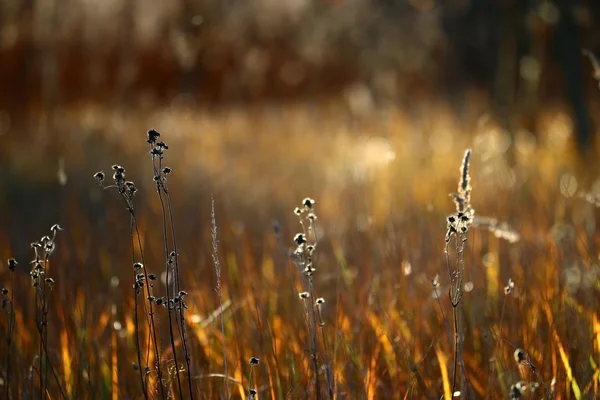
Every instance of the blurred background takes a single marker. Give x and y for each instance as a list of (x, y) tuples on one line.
[(277, 100), (367, 106)]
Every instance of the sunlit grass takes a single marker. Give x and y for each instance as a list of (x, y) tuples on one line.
[(381, 185)]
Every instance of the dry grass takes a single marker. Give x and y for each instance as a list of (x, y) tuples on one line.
[(381, 187)]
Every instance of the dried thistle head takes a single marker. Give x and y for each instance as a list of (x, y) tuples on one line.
[(254, 361), (520, 356), (99, 176), (152, 136), (300, 239), (12, 264), (308, 203)]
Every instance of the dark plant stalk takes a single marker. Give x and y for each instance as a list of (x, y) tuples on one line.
[(170, 290), (9, 335), (135, 316), (152, 322), (161, 188), (181, 309)]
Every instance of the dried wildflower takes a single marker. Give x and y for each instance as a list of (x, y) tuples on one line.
[(156, 152), (131, 186), (252, 393), (151, 298), (304, 295), (49, 247), (162, 145), (138, 265), (152, 136), (140, 277), (50, 281), (308, 203), (515, 392), (521, 385), (182, 293), (300, 239), (435, 282), (312, 217), (509, 287), (254, 361), (56, 228), (166, 170), (520, 356), (12, 264), (152, 277), (320, 301), (297, 211), (156, 178), (99, 176)]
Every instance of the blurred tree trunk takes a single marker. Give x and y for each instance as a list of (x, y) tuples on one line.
[(568, 48)]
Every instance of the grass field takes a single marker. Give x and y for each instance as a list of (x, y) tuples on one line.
[(382, 296)]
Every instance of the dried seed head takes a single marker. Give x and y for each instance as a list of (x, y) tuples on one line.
[(297, 211), (521, 385), (138, 265), (99, 176), (520, 356), (435, 282), (166, 170), (182, 293), (156, 152), (312, 217), (254, 361), (152, 277), (152, 136), (515, 392), (304, 295), (50, 281), (300, 239), (12, 264), (4, 291), (465, 180), (308, 203), (252, 393), (509, 287), (56, 228), (320, 301), (309, 270)]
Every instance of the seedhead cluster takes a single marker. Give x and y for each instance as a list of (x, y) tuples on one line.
[(459, 222)]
